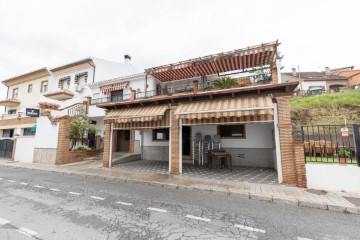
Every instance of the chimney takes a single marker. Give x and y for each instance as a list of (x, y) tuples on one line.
[(127, 58), (327, 70), (294, 72)]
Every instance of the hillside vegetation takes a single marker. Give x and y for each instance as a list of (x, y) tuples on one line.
[(326, 108)]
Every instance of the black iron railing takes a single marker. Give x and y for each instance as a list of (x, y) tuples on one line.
[(115, 98), (331, 144)]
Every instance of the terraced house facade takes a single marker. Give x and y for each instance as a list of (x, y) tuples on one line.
[(185, 110)]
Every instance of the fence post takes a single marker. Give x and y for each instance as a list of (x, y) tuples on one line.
[(356, 136)]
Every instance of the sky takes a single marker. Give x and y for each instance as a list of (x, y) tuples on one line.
[(48, 33)]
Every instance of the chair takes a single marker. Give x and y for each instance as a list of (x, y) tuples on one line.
[(307, 148), (318, 149), (330, 149)]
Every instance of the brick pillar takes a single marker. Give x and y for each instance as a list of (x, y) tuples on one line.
[(106, 154), (300, 164), (274, 76), (286, 140), (174, 142), (195, 86), (62, 153), (133, 95), (132, 141)]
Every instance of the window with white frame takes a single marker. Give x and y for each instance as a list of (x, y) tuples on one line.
[(29, 132)]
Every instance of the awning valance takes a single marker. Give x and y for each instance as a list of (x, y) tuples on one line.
[(235, 107), (141, 114), (114, 87)]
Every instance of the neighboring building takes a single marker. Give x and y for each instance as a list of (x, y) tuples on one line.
[(354, 77), (316, 82), (252, 120), (59, 92)]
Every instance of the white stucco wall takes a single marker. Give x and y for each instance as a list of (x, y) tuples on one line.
[(306, 84), (333, 177), (46, 134), (257, 136), (27, 99), (24, 151), (149, 142)]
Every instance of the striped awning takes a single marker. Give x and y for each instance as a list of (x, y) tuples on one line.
[(140, 114), (114, 87), (241, 59), (226, 108)]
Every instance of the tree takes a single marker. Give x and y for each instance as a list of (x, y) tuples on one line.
[(224, 82), (80, 126)]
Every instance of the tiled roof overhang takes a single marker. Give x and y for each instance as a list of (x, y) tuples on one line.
[(241, 59)]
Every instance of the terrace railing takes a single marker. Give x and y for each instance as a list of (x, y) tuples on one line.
[(331, 144), (188, 88)]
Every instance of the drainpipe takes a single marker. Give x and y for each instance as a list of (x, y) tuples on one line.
[(94, 67)]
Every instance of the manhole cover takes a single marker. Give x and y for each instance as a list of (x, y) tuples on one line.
[(353, 200)]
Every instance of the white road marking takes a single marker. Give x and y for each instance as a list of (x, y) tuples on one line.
[(300, 238), (74, 193), (11, 180), (27, 232), (250, 228), (54, 189), (125, 203), (97, 198), (38, 186), (157, 210), (3, 221), (23, 183), (198, 218)]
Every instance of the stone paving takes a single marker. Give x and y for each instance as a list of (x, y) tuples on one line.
[(238, 174), (334, 201)]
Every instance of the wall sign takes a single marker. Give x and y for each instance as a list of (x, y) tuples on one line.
[(32, 112)]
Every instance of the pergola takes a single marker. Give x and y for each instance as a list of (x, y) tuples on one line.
[(244, 59)]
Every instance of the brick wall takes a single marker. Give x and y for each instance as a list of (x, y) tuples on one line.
[(63, 155), (274, 76), (300, 164), (174, 142), (106, 154), (286, 141)]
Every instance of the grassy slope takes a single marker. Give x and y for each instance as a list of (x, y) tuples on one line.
[(326, 108), (343, 99)]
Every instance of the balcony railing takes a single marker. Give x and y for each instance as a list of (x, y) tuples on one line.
[(189, 88), (111, 99)]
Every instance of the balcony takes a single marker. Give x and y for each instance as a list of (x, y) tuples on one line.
[(60, 95), (185, 90), (11, 102)]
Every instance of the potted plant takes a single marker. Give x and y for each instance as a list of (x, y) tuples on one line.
[(343, 155)]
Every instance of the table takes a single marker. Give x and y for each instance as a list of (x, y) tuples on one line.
[(215, 157)]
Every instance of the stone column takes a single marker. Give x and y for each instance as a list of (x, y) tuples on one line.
[(62, 153), (286, 141), (174, 138), (274, 76), (133, 95), (106, 154)]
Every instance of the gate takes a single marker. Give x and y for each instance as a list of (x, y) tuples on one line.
[(331, 144), (6, 148)]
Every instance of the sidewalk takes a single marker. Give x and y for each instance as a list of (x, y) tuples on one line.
[(334, 201)]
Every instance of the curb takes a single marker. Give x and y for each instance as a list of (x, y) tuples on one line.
[(246, 195)]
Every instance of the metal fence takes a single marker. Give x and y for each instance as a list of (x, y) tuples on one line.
[(331, 144)]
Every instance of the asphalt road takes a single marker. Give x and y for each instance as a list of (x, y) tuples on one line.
[(44, 205)]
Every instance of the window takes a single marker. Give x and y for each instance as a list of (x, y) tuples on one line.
[(15, 93), (8, 133), (64, 84), (231, 131), (12, 111), (29, 88), (28, 132), (44, 86), (161, 134)]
